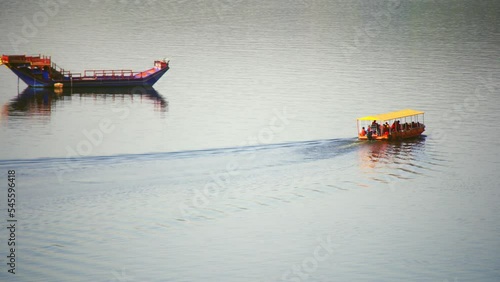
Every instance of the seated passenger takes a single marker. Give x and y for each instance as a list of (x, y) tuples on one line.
[(363, 132)]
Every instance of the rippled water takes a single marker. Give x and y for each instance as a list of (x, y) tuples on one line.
[(241, 164)]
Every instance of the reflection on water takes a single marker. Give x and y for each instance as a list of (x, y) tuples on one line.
[(66, 116), (374, 153), (41, 101), (389, 162)]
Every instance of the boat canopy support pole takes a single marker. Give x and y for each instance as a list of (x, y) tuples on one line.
[(357, 126)]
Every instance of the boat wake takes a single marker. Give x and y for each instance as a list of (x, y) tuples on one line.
[(311, 149)]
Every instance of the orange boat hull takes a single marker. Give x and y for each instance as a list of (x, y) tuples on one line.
[(411, 133)]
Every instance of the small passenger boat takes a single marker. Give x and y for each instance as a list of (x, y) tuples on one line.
[(396, 125), (40, 71)]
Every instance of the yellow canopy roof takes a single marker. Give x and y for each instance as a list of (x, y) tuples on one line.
[(392, 115)]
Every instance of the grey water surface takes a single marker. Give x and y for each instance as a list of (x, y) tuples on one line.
[(242, 163)]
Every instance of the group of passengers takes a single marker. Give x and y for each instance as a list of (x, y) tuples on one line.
[(384, 129)]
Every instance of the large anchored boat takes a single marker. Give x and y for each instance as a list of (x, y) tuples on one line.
[(40, 71)]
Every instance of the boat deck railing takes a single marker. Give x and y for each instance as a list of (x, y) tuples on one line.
[(37, 60), (108, 74), (94, 74)]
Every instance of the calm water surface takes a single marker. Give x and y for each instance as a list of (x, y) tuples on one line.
[(241, 164)]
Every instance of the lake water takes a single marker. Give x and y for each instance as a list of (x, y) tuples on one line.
[(242, 163)]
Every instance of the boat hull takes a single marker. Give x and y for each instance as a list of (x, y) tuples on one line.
[(400, 135), (32, 81)]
